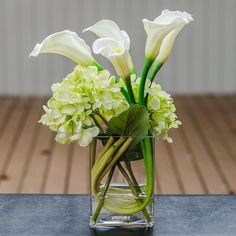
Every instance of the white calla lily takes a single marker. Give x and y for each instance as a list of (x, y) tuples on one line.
[(68, 44), (168, 24), (167, 44), (114, 45)]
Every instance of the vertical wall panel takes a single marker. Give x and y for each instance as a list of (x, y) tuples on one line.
[(203, 59), (3, 43)]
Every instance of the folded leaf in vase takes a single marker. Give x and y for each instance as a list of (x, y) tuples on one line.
[(134, 122)]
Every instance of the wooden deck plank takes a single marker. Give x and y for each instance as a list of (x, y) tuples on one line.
[(184, 163), (7, 106), (79, 179), (11, 132), (227, 110), (221, 125), (210, 137), (227, 105), (22, 150), (34, 173), (166, 175), (57, 172), (209, 172)]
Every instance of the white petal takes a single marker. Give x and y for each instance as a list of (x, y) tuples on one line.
[(75, 137), (167, 17), (123, 64), (87, 136), (94, 131), (46, 109), (87, 122), (68, 44), (106, 46), (188, 16), (167, 44), (114, 45), (85, 139), (78, 127), (68, 109), (126, 40), (108, 97), (106, 29), (158, 29), (155, 34), (155, 103)]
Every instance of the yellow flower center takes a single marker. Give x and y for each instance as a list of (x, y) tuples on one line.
[(118, 50)]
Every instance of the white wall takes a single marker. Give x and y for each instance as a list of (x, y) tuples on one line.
[(203, 60)]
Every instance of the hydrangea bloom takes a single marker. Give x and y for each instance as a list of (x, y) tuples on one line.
[(160, 107), (69, 112), (87, 91)]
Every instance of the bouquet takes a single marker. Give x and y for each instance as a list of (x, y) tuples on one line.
[(117, 115)]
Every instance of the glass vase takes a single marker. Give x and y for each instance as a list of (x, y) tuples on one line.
[(122, 180)]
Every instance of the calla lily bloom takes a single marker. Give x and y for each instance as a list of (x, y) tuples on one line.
[(162, 32), (68, 44), (114, 45)]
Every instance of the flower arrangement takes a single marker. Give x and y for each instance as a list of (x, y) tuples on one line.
[(123, 112)]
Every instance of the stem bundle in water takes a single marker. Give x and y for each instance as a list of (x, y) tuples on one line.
[(106, 162)]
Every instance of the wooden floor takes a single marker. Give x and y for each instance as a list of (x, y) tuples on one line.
[(202, 159)]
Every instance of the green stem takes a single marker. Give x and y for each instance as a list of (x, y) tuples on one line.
[(116, 157), (97, 123), (134, 71), (129, 168), (104, 150), (106, 147), (100, 67), (122, 170), (102, 117), (148, 161), (102, 198), (93, 151), (101, 168), (130, 90), (125, 94), (148, 63), (155, 68), (134, 190)]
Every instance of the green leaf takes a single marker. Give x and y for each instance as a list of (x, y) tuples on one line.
[(133, 122)]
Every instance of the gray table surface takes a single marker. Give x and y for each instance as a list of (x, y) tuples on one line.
[(69, 215)]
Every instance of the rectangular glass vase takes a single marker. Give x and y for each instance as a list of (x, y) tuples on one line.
[(121, 182)]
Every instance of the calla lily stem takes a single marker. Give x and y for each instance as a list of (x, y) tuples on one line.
[(102, 117), (106, 162), (155, 68), (102, 198), (100, 67), (134, 190), (148, 63), (130, 90), (93, 151), (125, 94)]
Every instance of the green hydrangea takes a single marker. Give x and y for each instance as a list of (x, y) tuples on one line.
[(162, 112), (160, 107), (87, 91), (84, 91)]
